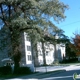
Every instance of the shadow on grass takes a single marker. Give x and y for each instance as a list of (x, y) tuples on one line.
[(8, 76), (6, 72)]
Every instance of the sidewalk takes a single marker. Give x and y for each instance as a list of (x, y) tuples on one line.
[(49, 68), (40, 75)]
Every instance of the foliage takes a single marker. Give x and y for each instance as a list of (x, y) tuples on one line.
[(72, 60), (23, 70), (70, 50), (76, 42), (5, 70)]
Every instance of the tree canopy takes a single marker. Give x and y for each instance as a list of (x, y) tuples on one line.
[(31, 16), (76, 43), (27, 14)]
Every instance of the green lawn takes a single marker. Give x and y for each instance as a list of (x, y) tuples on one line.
[(8, 76)]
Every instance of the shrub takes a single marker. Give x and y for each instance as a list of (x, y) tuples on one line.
[(5, 70), (73, 60), (23, 70)]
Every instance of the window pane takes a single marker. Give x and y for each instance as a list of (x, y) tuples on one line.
[(29, 58), (28, 48), (47, 53), (28, 38)]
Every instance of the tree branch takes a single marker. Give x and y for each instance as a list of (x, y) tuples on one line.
[(2, 11), (3, 15), (9, 11), (38, 30)]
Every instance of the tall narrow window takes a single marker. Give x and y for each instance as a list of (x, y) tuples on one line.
[(27, 38), (47, 53), (28, 48), (29, 58)]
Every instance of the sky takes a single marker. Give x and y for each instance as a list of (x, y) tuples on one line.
[(72, 22)]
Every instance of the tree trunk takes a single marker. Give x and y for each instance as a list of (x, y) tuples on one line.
[(34, 53), (43, 50), (17, 58), (15, 43), (55, 54), (36, 56), (16, 66), (44, 56)]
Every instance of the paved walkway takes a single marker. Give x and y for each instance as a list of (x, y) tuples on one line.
[(49, 68)]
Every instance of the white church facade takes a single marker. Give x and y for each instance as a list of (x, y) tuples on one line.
[(27, 54), (49, 52)]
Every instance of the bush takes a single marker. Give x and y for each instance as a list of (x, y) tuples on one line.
[(23, 70), (73, 60), (5, 70)]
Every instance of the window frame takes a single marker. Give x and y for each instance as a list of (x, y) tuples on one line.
[(28, 48), (29, 57)]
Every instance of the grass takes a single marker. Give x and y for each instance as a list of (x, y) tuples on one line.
[(67, 64), (6, 72), (77, 63), (8, 76)]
